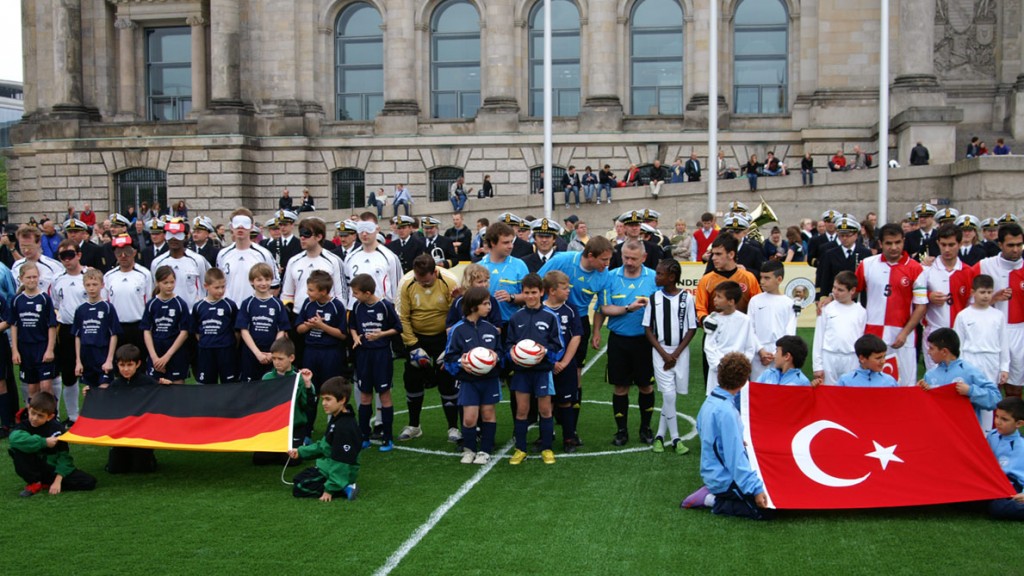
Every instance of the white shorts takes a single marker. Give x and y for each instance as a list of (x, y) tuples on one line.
[(928, 363), (906, 356), (712, 379), (756, 368), (835, 364), (1015, 334), (676, 380), (987, 363)]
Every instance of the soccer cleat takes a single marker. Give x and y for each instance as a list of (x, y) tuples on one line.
[(410, 432), (697, 499), (351, 491), (621, 437), (517, 458), (482, 458), (547, 456), (378, 432), (31, 490), (658, 446), (366, 444), (680, 447), (454, 436), (570, 446), (646, 436), (467, 456), (387, 446)]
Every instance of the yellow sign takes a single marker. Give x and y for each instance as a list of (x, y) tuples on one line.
[(798, 285)]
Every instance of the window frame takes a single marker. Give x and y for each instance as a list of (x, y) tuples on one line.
[(783, 87), (632, 59), (535, 87), (181, 105), (437, 65), (135, 181), (366, 113), (441, 181), (356, 184)]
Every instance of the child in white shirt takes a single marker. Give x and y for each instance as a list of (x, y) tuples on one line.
[(984, 342), (727, 330), (840, 324), (772, 315)]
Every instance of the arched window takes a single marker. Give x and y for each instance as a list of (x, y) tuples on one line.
[(359, 63), (455, 60), (760, 68), (565, 59), (137, 185), (537, 179), (656, 57), (441, 180), (348, 189)]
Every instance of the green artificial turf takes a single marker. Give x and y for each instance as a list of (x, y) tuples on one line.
[(612, 514)]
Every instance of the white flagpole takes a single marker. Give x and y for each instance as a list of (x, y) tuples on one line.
[(712, 165), (548, 189), (883, 117)]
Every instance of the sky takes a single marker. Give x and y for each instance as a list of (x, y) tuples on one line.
[(10, 41)]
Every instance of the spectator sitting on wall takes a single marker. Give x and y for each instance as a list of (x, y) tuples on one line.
[(632, 176), (773, 166), (285, 201), (724, 171), (838, 162), (972, 148), (919, 155), (1001, 148)]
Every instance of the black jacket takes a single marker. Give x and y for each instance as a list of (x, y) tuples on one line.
[(450, 257), (413, 247), (834, 261)]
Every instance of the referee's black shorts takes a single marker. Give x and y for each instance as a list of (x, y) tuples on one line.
[(629, 361)]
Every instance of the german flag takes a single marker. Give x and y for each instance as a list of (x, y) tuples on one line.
[(240, 417)]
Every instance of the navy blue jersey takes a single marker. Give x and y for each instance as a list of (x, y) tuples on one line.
[(543, 327), (214, 323), (465, 336), (34, 316), (569, 321), (372, 319), (96, 323), (334, 315), (263, 319), (455, 313), (166, 320)]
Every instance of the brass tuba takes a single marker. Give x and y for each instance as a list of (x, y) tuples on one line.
[(760, 216)]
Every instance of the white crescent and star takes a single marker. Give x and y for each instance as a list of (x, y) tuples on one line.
[(801, 447)]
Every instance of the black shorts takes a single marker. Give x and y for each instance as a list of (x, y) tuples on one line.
[(375, 369), (629, 361), (581, 350), (567, 386)]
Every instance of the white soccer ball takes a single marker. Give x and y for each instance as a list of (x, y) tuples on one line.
[(528, 353), (479, 361)]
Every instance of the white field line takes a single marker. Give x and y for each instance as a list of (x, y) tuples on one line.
[(452, 500)]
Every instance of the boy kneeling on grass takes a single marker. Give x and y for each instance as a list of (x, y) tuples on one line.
[(337, 464), (40, 458), (731, 487)]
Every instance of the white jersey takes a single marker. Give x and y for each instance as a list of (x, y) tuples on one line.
[(49, 269), (128, 292), (68, 293), (189, 275), (298, 269), (999, 269), (983, 333), (836, 330), (381, 264), (733, 333), (773, 317), (236, 264)]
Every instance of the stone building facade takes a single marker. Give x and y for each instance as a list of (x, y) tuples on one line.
[(227, 102)]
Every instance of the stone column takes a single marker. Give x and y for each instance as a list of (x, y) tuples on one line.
[(915, 83), (67, 56), (1017, 109), (401, 108), (500, 109), (225, 25), (917, 102), (126, 105), (602, 110), (198, 24)]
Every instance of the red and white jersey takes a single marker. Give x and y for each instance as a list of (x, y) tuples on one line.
[(955, 282), (1015, 308), (890, 291), (999, 269)]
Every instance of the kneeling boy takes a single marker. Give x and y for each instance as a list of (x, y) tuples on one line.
[(337, 464), (40, 458), (731, 487), (1008, 447)]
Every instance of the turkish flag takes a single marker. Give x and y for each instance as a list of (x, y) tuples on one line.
[(832, 447), (892, 367)]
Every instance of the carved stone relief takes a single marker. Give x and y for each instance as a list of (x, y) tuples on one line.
[(965, 39)]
